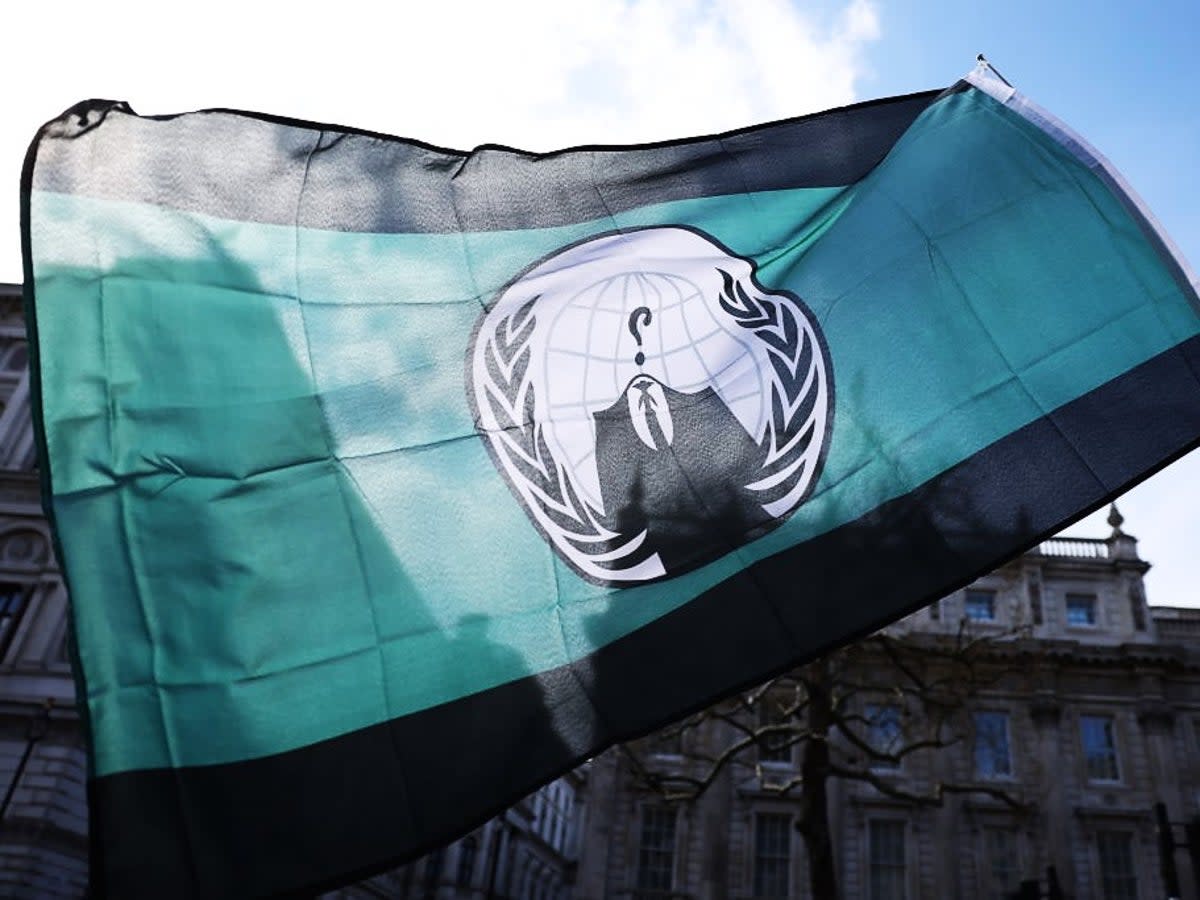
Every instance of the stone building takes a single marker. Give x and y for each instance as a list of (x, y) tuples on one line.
[(1092, 718), (1095, 717), (43, 842)]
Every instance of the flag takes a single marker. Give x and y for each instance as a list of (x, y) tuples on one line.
[(391, 481)]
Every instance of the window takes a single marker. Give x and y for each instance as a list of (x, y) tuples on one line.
[(1081, 609), (549, 811), (433, 873), (668, 742), (1118, 876), (992, 757), (980, 606), (13, 600), (466, 861), (1003, 868), (772, 855), (559, 839), (1099, 748), (883, 733), (773, 748), (885, 878), (656, 851)]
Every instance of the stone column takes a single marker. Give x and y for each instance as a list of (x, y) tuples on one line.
[(1054, 816)]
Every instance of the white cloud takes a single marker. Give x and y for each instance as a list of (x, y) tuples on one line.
[(537, 74)]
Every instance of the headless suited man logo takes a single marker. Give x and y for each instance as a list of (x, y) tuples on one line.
[(651, 406)]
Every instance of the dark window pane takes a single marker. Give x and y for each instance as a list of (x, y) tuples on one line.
[(1118, 875), (1081, 609), (992, 757), (1000, 844), (772, 855), (773, 747), (668, 742), (886, 874), (883, 732), (980, 606), (656, 851), (1099, 748)]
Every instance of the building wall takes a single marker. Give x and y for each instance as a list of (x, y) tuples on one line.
[(1053, 672), (43, 835)]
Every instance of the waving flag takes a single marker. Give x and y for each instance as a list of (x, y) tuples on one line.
[(391, 482)]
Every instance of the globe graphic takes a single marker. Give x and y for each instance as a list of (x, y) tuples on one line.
[(593, 342)]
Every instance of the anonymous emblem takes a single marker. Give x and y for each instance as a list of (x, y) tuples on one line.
[(650, 404)]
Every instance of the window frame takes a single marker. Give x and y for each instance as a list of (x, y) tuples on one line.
[(991, 596), (872, 865), (785, 820), (988, 871), (777, 757), (1113, 751), (1105, 856), (977, 745), (1093, 607), (672, 851), (871, 713), (664, 745)]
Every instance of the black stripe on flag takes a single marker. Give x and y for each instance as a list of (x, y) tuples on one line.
[(335, 178)]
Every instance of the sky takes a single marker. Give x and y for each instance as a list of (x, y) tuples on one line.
[(543, 74)]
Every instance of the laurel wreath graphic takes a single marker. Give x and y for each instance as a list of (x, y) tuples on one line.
[(790, 447), (512, 399), (797, 416)]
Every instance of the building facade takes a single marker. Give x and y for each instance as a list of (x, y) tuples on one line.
[(43, 828), (1092, 718)]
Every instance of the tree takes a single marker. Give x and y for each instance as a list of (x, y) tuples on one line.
[(854, 714)]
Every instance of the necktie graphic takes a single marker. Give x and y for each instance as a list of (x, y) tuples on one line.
[(652, 415)]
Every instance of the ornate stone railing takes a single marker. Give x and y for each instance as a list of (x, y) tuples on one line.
[(1075, 548)]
